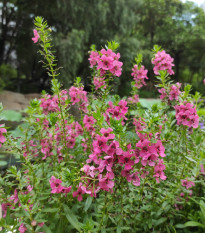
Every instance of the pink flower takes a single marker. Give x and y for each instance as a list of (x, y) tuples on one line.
[(36, 36), (186, 114), (99, 82), (40, 224), (2, 138), (133, 100), (30, 188), (106, 183), (67, 189), (4, 208), (163, 93), (94, 58), (106, 133), (55, 185), (159, 171), (139, 74), (163, 61), (204, 81), (22, 228), (79, 192), (117, 112), (117, 68), (187, 184), (106, 61), (79, 96), (174, 92), (15, 196)]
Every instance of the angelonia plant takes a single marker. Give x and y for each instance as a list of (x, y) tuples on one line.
[(117, 166)]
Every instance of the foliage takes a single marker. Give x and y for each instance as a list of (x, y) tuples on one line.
[(121, 168)]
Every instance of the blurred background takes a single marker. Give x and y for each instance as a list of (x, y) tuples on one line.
[(178, 26)]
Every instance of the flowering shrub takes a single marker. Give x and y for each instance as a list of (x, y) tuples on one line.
[(119, 168)]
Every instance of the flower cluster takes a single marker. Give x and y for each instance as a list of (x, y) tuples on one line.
[(187, 184), (51, 104), (133, 100), (186, 115), (163, 61), (149, 153), (79, 96), (106, 61), (108, 154), (99, 82), (173, 92), (140, 74), (117, 112), (56, 186)]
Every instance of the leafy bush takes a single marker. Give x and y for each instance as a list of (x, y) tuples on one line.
[(121, 168)]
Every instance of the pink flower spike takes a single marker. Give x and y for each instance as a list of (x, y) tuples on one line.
[(36, 36), (22, 228)]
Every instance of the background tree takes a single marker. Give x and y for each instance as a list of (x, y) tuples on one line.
[(136, 24)]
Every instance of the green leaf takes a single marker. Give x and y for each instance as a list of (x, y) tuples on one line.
[(160, 221), (46, 229), (180, 226), (72, 218), (194, 224), (88, 203), (119, 229), (50, 210)]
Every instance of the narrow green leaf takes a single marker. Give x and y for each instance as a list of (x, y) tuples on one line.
[(50, 210), (119, 229), (88, 203), (194, 224), (72, 218)]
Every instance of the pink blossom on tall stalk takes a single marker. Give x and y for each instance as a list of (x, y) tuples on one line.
[(117, 112), (159, 170), (56, 186), (186, 114), (106, 182), (14, 197), (79, 192), (163, 61), (94, 58), (4, 208), (187, 184), (163, 93), (22, 228), (133, 100), (79, 96), (99, 82), (36, 36), (174, 91), (139, 124), (88, 121), (139, 74), (106, 61), (2, 137)]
